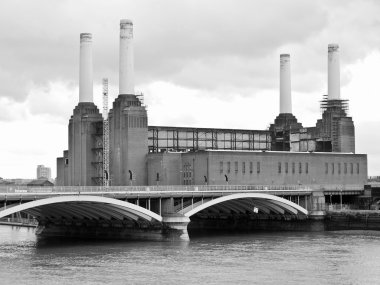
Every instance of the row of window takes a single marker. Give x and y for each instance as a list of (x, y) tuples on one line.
[(332, 168), (236, 167), (293, 167), (301, 168), (137, 122)]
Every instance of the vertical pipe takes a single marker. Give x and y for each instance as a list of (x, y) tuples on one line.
[(126, 61), (333, 72), (285, 85), (85, 68)]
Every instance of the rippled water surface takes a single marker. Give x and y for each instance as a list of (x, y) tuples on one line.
[(262, 258)]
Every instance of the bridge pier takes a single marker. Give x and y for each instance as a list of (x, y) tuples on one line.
[(175, 226), (318, 205)]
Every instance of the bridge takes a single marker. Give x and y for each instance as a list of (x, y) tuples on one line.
[(153, 211)]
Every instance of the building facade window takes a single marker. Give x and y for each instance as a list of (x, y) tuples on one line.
[(339, 168), (357, 168), (236, 167), (326, 168), (286, 167), (243, 167), (251, 167), (300, 167), (307, 168), (228, 167), (293, 167), (258, 167), (345, 168), (351, 168), (332, 168), (187, 174), (279, 167), (221, 167)]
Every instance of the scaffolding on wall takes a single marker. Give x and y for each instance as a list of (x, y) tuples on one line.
[(106, 135), (334, 105), (97, 151)]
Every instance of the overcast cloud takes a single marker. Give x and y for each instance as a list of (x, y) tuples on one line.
[(218, 54)]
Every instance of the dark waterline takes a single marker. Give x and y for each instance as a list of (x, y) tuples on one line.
[(346, 257)]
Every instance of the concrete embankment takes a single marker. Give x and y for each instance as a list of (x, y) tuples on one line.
[(352, 220)]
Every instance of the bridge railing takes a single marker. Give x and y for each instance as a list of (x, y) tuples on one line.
[(169, 188)]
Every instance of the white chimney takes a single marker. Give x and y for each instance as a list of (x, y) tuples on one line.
[(85, 68), (333, 72), (285, 85), (126, 65)]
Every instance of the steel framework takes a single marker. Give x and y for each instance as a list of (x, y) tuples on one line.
[(192, 139)]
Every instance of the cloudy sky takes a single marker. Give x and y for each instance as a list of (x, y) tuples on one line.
[(200, 63)]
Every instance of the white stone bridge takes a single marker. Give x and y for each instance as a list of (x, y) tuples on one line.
[(140, 211)]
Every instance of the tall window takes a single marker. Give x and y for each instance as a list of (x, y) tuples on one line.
[(307, 168), (357, 168), (345, 168), (250, 167), (299, 167), (279, 167), (352, 168), (258, 167), (187, 175), (221, 167), (293, 167), (228, 167), (339, 170), (286, 167), (332, 168), (326, 168), (243, 167), (236, 167)]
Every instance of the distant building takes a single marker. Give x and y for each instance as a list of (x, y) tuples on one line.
[(40, 182), (43, 172)]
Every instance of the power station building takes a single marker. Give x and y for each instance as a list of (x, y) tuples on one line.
[(322, 156)]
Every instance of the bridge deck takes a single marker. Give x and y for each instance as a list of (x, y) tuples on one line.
[(122, 192), (31, 193)]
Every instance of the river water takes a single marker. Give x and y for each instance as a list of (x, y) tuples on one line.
[(256, 258)]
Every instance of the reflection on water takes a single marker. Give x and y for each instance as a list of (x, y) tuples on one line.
[(265, 258)]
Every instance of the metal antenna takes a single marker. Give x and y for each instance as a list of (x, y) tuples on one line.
[(106, 135)]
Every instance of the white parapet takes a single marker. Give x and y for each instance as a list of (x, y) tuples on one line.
[(126, 61), (285, 85), (333, 72), (85, 68)]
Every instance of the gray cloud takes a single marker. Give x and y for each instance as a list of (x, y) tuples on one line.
[(199, 44)]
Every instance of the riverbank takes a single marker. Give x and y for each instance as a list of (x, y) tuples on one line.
[(352, 220), (335, 220)]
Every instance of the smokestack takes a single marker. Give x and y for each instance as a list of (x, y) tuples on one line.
[(126, 65), (85, 68), (285, 85), (333, 72)]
